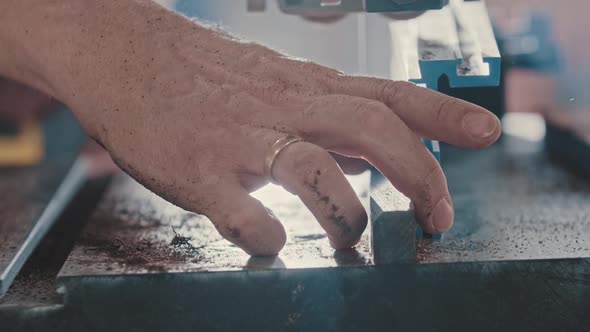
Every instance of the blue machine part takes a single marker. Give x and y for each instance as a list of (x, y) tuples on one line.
[(373, 6), (531, 47), (433, 147), (456, 42)]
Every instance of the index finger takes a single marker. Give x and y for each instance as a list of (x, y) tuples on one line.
[(430, 114)]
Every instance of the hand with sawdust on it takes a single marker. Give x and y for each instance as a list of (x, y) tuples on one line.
[(192, 114)]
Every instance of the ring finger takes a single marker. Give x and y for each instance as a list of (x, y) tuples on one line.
[(311, 173)]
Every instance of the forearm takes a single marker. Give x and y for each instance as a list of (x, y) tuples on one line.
[(71, 47), (34, 40)]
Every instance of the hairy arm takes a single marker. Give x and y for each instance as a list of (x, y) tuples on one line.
[(70, 49)]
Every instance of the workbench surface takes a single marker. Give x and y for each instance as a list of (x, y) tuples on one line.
[(516, 259)]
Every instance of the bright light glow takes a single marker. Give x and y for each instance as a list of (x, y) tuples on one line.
[(328, 3), (276, 197), (526, 126)]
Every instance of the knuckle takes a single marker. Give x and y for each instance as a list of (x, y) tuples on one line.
[(341, 82), (373, 116), (368, 105), (443, 109), (368, 109), (320, 72), (391, 90), (327, 105)]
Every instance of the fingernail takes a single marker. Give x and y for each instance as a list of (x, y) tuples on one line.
[(480, 125), (442, 216)]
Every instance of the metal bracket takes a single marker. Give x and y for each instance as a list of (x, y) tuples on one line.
[(457, 42), (347, 6)]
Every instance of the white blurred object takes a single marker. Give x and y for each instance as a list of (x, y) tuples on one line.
[(524, 133), (526, 126)]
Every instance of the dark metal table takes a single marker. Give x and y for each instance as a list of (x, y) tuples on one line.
[(517, 259), (31, 198)]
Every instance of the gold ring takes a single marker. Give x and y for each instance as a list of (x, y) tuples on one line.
[(275, 150)]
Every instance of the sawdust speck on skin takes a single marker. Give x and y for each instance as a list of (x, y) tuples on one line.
[(233, 232)]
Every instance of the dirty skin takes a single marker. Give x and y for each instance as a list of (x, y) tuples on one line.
[(338, 220), (233, 232)]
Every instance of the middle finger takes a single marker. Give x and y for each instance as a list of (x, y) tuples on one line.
[(366, 128)]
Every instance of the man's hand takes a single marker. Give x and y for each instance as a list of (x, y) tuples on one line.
[(193, 114)]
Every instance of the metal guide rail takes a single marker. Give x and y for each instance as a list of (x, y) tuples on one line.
[(347, 6), (371, 6)]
